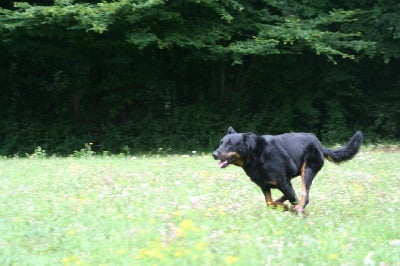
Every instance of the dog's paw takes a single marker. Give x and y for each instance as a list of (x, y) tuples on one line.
[(280, 206), (284, 206), (299, 211)]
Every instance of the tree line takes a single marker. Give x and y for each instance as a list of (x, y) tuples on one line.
[(153, 75)]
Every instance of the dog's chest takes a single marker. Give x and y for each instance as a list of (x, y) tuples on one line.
[(264, 175)]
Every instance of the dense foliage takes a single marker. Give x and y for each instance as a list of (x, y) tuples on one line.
[(133, 75)]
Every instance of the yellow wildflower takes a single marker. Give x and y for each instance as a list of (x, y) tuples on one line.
[(333, 256), (149, 253), (231, 259), (121, 251), (200, 246), (186, 226), (72, 232), (72, 260), (178, 253)]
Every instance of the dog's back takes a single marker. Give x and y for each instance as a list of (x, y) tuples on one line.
[(292, 144)]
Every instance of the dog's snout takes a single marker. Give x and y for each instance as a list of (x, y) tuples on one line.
[(215, 155)]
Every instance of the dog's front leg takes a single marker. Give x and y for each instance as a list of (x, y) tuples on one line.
[(282, 199), (270, 202), (267, 194)]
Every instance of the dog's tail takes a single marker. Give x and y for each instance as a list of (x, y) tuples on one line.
[(346, 152)]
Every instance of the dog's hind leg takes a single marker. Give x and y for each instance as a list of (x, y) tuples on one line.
[(313, 162), (308, 172), (306, 180)]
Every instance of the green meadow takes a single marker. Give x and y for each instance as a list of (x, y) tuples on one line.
[(184, 210)]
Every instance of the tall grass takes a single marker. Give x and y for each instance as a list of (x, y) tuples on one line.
[(184, 210)]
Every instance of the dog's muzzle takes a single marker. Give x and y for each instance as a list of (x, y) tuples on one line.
[(226, 159), (223, 160)]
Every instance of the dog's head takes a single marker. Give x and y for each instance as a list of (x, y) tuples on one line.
[(233, 148)]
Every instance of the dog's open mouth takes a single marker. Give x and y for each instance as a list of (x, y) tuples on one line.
[(223, 163), (228, 159)]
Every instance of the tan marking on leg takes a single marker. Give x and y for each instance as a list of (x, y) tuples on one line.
[(281, 205), (273, 204), (299, 208), (280, 202), (268, 198)]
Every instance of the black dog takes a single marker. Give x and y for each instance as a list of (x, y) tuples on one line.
[(272, 161)]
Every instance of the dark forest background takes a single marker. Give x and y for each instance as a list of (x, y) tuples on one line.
[(139, 75)]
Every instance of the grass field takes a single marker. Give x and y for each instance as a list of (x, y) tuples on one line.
[(184, 210)]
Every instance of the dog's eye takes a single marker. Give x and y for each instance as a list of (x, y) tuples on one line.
[(221, 142)]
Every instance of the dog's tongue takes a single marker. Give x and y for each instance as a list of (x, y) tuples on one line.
[(223, 164)]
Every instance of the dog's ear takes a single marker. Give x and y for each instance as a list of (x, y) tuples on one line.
[(231, 130), (249, 140)]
